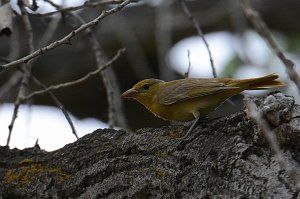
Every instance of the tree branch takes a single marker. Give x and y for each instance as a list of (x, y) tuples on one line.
[(27, 67), (86, 4), (200, 33), (80, 80), (59, 105), (115, 112), (64, 40), (263, 30)]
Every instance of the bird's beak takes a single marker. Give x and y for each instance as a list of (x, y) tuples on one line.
[(130, 94)]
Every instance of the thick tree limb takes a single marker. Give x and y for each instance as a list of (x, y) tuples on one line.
[(227, 158)]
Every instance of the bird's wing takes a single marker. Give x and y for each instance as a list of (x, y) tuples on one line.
[(179, 90)]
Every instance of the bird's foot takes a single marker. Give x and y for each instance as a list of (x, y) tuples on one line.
[(198, 121)]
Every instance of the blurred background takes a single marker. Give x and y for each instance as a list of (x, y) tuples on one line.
[(158, 36)]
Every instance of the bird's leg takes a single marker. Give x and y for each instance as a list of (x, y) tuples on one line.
[(197, 121)]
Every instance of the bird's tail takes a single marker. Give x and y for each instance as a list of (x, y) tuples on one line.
[(261, 83)]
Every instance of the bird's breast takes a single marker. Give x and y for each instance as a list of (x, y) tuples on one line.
[(180, 112)]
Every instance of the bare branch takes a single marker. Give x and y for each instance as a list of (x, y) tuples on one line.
[(109, 80), (59, 105), (108, 77), (200, 33), (272, 141), (66, 39), (86, 4), (263, 30), (80, 80), (15, 79), (27, 67)]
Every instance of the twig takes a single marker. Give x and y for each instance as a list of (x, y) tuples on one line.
[(27, 67), (115, 113), (59, 105), (200, 33), (15, 79), (272, 140), (80, 80), (64, 40), (112, 90), (186, 75), (263, 30), (86, 4)]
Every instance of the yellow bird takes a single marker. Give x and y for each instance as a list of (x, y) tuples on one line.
[(193, 98)]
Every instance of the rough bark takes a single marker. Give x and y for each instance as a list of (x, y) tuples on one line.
[(225, 157)]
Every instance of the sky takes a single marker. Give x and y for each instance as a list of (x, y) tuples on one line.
[(45, 123)]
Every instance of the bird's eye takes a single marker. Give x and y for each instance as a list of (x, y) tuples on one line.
[(146, 86)]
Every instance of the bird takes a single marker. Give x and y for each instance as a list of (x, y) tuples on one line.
[(189, 99)]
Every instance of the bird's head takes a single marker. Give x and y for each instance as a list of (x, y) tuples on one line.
[(143, 91)]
